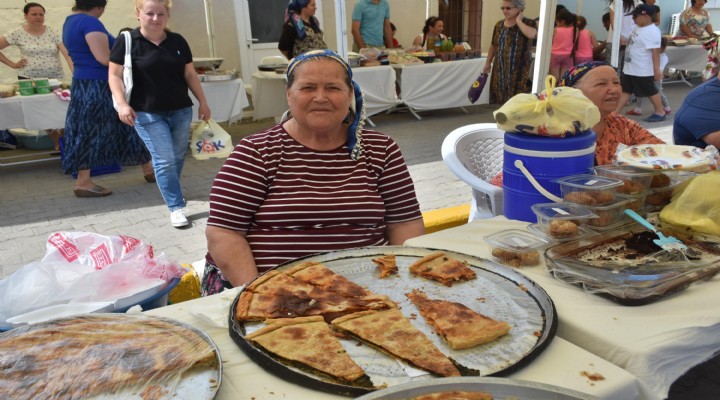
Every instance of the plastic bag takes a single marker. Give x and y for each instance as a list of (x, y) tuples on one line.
[(209, 140), (554, 112), (477, 87), (695, 206), (85, 267)]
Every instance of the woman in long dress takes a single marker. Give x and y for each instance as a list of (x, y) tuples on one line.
[(509, 56)]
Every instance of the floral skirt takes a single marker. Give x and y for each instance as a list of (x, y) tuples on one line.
[(213, 281)]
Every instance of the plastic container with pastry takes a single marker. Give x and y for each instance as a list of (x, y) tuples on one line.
[(562, 221), (608, 215), (659, 197), (516, 247), (635, 180), (635, 202), (7, 90), (589, 189)]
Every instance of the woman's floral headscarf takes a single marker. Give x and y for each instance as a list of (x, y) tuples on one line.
[(292, 14), (356, 117), (574, 74)]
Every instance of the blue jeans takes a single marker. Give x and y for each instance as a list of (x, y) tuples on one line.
[(166, 135)]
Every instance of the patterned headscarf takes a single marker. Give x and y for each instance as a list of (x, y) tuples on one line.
[(292, 14), (356, 117), (574, 74)]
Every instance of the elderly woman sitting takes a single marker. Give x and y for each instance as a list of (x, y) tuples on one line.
[(315, 182), (600, 83)]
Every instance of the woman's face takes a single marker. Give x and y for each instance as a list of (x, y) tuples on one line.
[(699, 3), (602, 86), (35, 15), (509, 10), (309, 9), (437, 28), (319, 98), (153, 16)]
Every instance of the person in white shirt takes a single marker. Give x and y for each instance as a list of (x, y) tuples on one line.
[(642, 62), (658, 84)]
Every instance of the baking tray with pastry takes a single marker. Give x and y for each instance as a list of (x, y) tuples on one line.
[(109, 356), (627, 266), (373, 323), (476, 388)]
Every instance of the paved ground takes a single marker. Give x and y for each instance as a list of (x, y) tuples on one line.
[(37, 199)]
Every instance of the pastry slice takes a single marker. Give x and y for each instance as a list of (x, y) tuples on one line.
[(392, 333), (386, 265), (440, 267), (460, 326), (310, 342)]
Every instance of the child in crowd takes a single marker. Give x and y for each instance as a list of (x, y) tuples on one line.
[(586, 42), (396, 44), (563, 44), (658, 84)]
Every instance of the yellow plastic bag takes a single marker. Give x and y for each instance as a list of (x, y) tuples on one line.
[(209, 140), (695, 206), (555, 112)]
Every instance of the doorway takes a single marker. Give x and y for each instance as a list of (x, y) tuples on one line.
[(259, 25)]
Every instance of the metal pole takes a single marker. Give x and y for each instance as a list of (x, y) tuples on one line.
[(341, 29), (544, 44), (209, 26)]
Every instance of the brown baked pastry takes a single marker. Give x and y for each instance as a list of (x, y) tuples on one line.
[(516, 259), (660, 180), (581, 198), (604, 218), (562, 228), (631, 187), (603, 196)]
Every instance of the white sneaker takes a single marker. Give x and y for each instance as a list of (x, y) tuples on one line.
[(178, 218)]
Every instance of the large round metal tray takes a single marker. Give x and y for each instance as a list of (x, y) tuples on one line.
[(499, 292), (201, 383), (500, 388)]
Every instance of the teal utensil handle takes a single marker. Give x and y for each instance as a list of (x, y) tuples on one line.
[(632, 214)]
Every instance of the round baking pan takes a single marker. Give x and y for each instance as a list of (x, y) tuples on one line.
[(498, 292)]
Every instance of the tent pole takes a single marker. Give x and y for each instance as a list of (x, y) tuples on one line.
[(544, 44)]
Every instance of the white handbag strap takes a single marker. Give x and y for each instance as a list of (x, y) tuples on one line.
[(128, 43)]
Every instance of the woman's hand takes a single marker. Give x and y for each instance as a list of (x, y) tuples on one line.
[(519, 17), (127, 115), (488, 66), (21, 63)]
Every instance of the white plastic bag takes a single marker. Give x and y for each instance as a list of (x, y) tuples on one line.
[(86, 267), (209, 140)]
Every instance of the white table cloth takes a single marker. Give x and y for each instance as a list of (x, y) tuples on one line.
[(226, 100), (378, 87), (40, 111), (268, 95), (559, 364), (657, 342), (687, 58), (440, 85)]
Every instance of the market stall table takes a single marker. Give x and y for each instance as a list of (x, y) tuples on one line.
[(439, 85), (226, 100), (657, 342), (376, 83), (40, 111), (686, 58), (560, 364)]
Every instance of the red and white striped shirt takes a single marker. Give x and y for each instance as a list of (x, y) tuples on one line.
[(293, 201)]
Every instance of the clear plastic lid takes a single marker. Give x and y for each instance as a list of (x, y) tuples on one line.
[(622, 170), (547, 211), (517, 240), (587, 181)]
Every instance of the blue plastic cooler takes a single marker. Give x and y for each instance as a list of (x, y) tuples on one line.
[(546, 159)]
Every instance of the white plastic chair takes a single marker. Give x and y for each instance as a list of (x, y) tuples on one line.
[(273, 60), (475, 154)]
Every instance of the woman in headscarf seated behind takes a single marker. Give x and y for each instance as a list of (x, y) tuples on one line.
[(318, 181), (600, 83), (301, 31)]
